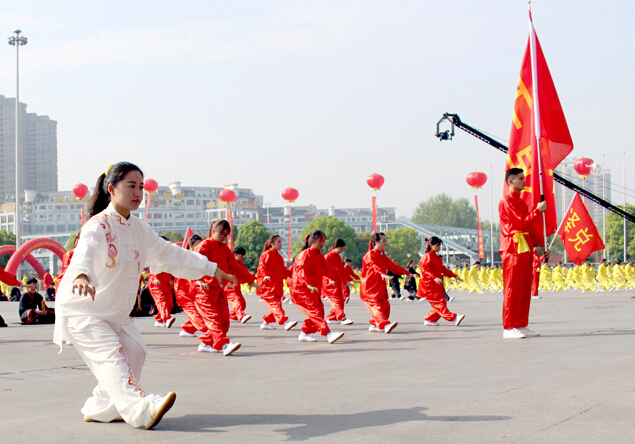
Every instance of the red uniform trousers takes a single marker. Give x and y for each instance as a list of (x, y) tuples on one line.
[(379, 309), (276, 312), (535, 280), (164, 304), (439, 310), (337, 308), (213, 308), (311, 305), (194, 321), (236, 301), (517, 278)]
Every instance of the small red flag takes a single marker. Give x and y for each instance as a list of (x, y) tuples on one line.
[(578, 232), (188, 234)]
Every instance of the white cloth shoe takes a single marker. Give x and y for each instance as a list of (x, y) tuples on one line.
[(266, 326), (290, 324), (528, 333), (431, 324), (207, 348), (306, 338), (513, 333), (230, 348), (390, 327), (329, 321), (346, 321), (159, 407), (159, 324), (185, 334), (245, 318), (459, 319), (334, 336), (372, 328), (451, 299), (170, 322)]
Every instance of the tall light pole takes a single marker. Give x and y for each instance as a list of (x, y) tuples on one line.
[(17, 40)]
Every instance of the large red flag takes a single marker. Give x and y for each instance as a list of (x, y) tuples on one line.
[(578, 232), (537, 101), (188, 234)]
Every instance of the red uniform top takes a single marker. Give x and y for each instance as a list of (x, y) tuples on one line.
[(334, 289), (223, 257), (309, 268), (349, 274), (160, 283), (432, 267), (272, 264), (243, 277), (374, 264), (47, 280), (517, 222), (66, 260)]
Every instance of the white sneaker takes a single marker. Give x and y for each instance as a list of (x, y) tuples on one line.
[(402, 298), (185, 334), (290, 324), (69, 343), (159, 407), (458, 319), (513, 333), (207, 348), (539, 297), (451, 299), (334, 336), (170, 322), (372, 328), (528, 333), (245, 318), (266, 326), (159, 324), (306, 338), (431, 324), (329, 321), (390, 327), (230, 348), (346, 321)]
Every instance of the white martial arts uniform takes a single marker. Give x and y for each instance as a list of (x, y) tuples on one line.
[(112, 252)]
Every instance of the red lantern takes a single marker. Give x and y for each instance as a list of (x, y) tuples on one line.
[(290, 194), (80, 190), (150, 185), (476, 179), (227, 195), (583, 166), (375, 181)]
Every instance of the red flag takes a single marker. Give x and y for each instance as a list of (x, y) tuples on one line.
[(189, 233), (8, 279), (481, 248), (537, 101), (578, 232)]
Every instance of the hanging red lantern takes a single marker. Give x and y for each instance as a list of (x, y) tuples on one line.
[(290, 194), (80, 190), (583, 166), (227, 195), (150, 185), (375, 181), (476, 179)]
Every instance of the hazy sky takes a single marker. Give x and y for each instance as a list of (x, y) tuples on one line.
[(314, 94)]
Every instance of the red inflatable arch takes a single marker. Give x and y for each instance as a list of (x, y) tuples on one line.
[(25, 250), (10, 249)]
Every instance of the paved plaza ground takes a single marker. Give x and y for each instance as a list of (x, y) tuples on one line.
[(446, 384)]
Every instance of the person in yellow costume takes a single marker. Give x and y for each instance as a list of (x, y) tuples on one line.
[(472, 278), (604, 283), (483, 278), (587, 277), (571, 278), (558, 282), (545, 277), (619, 280), (629, 275), (497, 278), (462, 284)]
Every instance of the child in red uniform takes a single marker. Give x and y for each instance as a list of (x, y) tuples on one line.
[(332, 288), (161, 290), (185, 298), (431, 284), (271, 273), (351, 276), (309, 269), (232, 292), (210, 300), (373, 291)]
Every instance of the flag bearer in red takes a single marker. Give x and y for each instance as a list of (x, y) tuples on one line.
[(332, 288), (309, 269), (183, 290), (271, 274), (210, 300), (518, 237), (160, 286), (232, 292), (373, 291), (351, 276)]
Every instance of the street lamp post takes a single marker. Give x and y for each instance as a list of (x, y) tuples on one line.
[(17, 40)]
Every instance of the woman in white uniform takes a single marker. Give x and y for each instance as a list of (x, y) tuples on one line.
[(100, 286)]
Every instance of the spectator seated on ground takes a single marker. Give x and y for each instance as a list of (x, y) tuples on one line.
[(31, 308), (50, 291)]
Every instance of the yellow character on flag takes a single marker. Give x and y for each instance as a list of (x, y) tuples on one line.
[(571, 221), (582, 237)]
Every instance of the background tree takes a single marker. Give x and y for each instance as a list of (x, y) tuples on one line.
[(443, 210), (6, 238), (362, 241), (334, 228), (403, 245), (252, 237), (173, 236), (615, 234)]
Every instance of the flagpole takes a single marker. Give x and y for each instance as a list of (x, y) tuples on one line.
[(534, 85), (564, 216)]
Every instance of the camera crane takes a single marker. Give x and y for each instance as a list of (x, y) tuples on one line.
[(455, 121)]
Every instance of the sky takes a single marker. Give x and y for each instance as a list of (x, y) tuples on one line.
[(315, 95)]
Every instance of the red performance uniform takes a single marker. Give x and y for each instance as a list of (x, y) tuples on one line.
[(350, 276), (210, 300), (518, 236), (373, 289), (272, 264), (47, 280), (185, 298), (234, 295), (432, 267), (309, 269), (332, 288), (66, 260), (161, 291)]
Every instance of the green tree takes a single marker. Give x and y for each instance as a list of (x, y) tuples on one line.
[(403, 245), (6, 238), (615, 234), (443, 210), (362, 240), (71, 240), (252, 237), (173, 236), (334, 228)]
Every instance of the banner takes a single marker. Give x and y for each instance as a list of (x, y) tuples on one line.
[(578, 232), (481, 248), (374, 214)]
